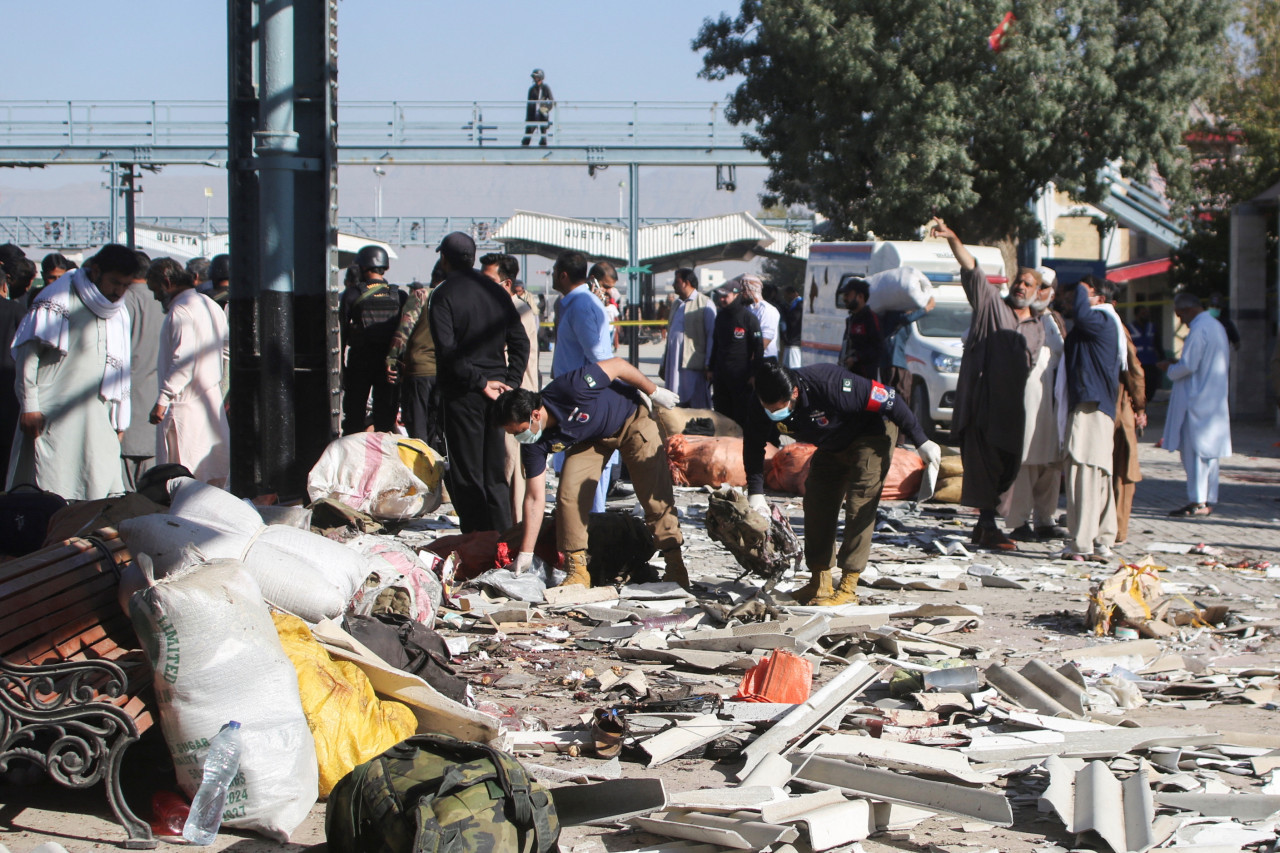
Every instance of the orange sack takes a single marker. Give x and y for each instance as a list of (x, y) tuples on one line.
[(905, 473), (781, 677), (789, 468), (698, 460)]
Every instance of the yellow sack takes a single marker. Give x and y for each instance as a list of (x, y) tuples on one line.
[(349, 723), (425, 463)]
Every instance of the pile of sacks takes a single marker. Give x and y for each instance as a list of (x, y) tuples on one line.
[(225, 605)]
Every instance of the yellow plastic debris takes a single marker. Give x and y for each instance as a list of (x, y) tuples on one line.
[(349, 722)]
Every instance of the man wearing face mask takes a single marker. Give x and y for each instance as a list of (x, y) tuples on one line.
[(989, 420), (588, 414), (845, 416), (75, 339)]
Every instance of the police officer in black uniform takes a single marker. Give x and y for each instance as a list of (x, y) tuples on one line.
[(737, 348), (368, 314), (845, 416), (589, 413)]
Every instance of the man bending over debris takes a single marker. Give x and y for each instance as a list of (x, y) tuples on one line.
[(844, 415), (589, 413)]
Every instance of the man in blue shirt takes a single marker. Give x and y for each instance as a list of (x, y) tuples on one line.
[(1093, 360), (583, 336), (583, 333), (590, 413)]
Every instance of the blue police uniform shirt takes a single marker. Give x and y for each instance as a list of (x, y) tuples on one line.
[(587, 406), (833, 408)]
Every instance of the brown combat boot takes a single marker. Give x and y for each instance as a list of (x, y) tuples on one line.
[(846, 593), (818, 587), (575, 562), (676, 571)]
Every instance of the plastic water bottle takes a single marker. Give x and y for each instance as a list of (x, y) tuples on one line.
[(220, 766)]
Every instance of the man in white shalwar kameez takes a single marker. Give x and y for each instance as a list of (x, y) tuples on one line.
[(189, 409), (72, 359), (1198, 424)]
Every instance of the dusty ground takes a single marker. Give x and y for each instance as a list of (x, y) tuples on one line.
[(1042, 621)]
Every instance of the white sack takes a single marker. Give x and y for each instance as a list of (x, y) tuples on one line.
[(899, 289), (217, 657), (304, 573), (365, 472), (167, 539), (395, 569), (213, 507)]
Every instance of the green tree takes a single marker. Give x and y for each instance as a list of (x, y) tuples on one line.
[(1233, 147), (878, 115)]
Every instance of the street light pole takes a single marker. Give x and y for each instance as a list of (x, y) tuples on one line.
[(378, 172)]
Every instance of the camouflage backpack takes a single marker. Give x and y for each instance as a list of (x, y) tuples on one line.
[(437, 794)]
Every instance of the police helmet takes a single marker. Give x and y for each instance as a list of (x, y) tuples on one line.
[(851, 284), (373, 258), (220, 268)]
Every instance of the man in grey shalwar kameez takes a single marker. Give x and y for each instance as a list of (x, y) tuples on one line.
[(138, 447), (989, 418)]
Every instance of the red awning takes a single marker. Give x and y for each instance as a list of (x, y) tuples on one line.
[(1142, 269)]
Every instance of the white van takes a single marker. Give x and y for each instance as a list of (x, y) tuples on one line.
[(935, 343)]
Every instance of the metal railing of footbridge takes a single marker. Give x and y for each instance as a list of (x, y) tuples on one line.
[(171, 132)]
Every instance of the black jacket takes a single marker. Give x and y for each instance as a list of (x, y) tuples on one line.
[(539, 93), (792, 324), (834, 407), (737, 347), (477, 332)]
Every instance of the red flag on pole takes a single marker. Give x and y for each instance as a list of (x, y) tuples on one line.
[(996, 39)]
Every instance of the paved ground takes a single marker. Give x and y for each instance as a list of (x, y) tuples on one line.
[(1043, 620)]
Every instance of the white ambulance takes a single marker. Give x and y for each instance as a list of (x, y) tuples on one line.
[(935, 343)]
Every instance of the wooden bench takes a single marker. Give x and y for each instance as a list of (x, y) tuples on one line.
[(72, 676)]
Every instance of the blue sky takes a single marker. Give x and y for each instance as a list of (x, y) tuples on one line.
[(389, 49), (407, 50)]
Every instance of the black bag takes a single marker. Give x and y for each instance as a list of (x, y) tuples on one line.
[(25, 512), (408, 645)]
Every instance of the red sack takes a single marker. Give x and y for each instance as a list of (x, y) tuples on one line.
[(905, 473), (781, 677), (478, 552), (698, 460), (789, 469)]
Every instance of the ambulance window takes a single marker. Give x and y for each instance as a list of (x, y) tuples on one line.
[(946, 320)]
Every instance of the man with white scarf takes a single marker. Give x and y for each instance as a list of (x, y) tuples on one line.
[(1093, 360), (73, 358)]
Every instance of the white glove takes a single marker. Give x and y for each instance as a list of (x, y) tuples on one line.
[(665, 398), (524, 562), (760, 505), (931, 454), (646, 399)]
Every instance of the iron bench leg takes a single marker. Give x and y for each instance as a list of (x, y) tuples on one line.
[(50, 716)]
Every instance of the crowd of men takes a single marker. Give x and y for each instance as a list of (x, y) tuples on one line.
[(113, 368), (1052, 392)]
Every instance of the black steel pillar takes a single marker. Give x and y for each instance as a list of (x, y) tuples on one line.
[(283, 234)]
